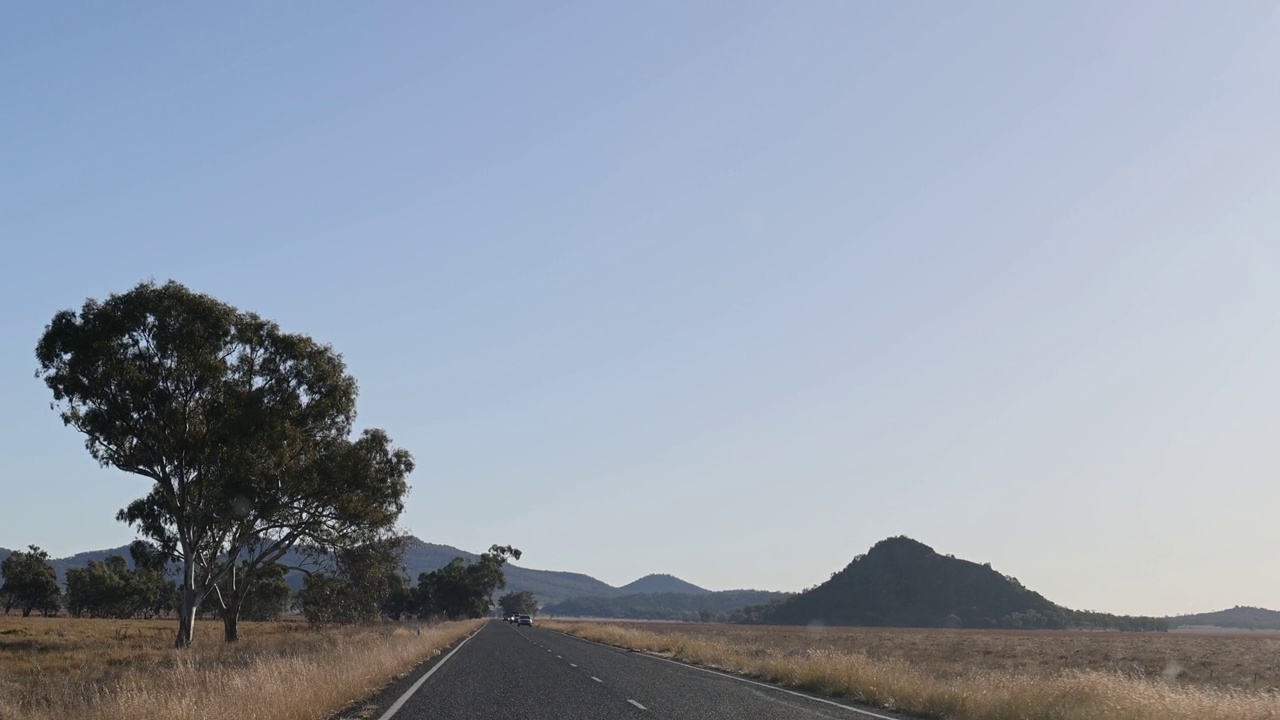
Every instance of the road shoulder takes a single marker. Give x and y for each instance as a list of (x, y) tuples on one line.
[(374, 706)]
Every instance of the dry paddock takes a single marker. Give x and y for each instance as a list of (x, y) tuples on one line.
[(987, 675), (128, 670)]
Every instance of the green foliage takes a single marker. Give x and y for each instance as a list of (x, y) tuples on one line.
[(464, 590), (518, 603), (243, 430), (108, 588), (400, 600), (100, 589), (904, 583), (29, 582), (704, 607), (267, 595), (358, 585)]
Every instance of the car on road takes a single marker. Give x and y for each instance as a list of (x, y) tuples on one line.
[(524, 620)]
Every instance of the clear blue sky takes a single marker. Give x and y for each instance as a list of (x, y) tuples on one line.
[(727, 290)]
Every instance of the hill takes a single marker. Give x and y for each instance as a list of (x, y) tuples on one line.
[(661, 583), (706, 606), (1242, 617), (903, 583)]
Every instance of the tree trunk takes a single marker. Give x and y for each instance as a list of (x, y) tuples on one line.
[(230, 617), (187, 615)]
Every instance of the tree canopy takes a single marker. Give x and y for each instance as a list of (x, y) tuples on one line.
[(518, 603)]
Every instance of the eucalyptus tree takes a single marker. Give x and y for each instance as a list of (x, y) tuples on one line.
[(29, 581), (242, 429)]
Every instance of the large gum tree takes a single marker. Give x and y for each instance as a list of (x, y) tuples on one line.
[(242, 429)]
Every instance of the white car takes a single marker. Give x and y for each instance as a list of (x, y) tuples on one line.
[(524, 620)]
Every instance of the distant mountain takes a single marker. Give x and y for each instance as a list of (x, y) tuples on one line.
[(706, 606), (420, 557), (903, 583), (661, 583), (1241, 617), (78, 560)]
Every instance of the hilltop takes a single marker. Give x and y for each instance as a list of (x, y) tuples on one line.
[(661, 583), (901, 582)]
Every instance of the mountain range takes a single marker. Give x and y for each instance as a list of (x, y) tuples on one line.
[(549, 586), (898, 582)]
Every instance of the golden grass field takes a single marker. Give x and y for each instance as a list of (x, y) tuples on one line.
[(986, 675), (128, 670)]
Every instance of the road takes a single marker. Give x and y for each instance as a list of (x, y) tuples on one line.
[(504, 672)]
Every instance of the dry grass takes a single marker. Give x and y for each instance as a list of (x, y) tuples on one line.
[(971, 675), (127, 669)]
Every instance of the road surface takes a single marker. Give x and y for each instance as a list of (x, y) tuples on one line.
[(509, 673)]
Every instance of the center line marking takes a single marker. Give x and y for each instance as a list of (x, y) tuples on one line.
[(593, 677), (572, 665), (633, 702)]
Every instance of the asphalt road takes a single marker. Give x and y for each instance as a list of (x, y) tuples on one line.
[(504, 672)]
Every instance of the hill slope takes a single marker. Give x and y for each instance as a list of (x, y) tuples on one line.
[(661, 583), (1245, 618), (903, 583)]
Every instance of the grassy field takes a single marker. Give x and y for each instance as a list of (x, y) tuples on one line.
[(987, 675), (126, 669)]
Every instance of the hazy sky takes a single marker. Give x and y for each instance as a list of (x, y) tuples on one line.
[(730, 291)]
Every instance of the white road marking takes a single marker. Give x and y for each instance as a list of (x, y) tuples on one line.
[(593, 677), (395, 707), (860, 711), (572, 665), (559, 658), (633, 702)]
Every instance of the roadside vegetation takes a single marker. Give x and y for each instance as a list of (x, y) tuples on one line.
[(128, 669), (985, 675)]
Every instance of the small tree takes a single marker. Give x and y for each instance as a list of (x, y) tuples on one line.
[(30, 582), (400, 599), (519, 603), (267, 596), (154, 594), (357, 586), (103, 588)]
